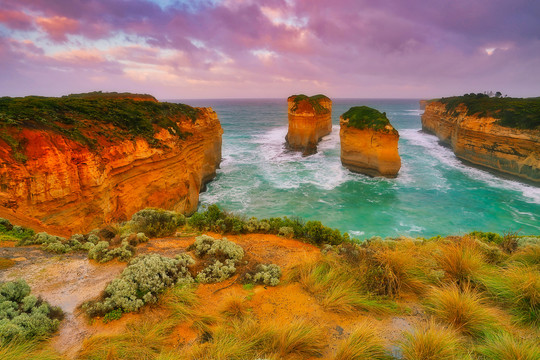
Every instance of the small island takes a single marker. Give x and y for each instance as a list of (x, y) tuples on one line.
[(310, 118), (369, 143)]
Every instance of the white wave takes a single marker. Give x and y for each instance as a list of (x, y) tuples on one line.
[(356, 233), (412, 227), (447, 157)]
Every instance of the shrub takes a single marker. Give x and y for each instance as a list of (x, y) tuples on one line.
[(504, 346), (286, 231), (22, 315), (217, 271), (362, 343), (206, 245), (487, 237), (431, 342), (141, 282), (9, 232), (265, 274), (156, 222), (464, 310)]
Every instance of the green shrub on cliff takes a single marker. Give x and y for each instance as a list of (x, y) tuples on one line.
[(222, 256), (23, 315), (314, 101), (512, 112), (364, 117), (75, 116), (10, 232), (156, 222)]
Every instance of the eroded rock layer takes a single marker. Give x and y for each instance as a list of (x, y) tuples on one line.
[(369, 143), (62, 181), (310, 118), (481, 141)]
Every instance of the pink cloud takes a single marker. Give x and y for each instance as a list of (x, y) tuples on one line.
[(16, 20), (58, 27)]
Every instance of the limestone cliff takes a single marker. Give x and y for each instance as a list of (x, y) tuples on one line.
[(369, 143), (104, 159), (481, 140), (310, 118)]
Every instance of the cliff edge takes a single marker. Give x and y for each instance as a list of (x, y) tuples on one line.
[(310, 118), (80, 161), (369, 143), (501, 134)]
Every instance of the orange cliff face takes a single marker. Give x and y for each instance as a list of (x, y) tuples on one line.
[(368, 149), (481, 141), (65, 184), (309, 120)]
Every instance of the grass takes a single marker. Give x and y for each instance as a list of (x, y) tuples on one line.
[(463, 309), (338, 286), (461, 260), (362, 343), (143, 340), (432, 342), (299, 337), (504, 346), (27, 350), (180, 300), (517, 287), (234, 307)]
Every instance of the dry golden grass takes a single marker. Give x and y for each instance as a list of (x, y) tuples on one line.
[(362, 343), (463, 309), (432, 342), (235, 307), (300, 338), (142, 340), (27, 350), (461, 260), (504, 346)]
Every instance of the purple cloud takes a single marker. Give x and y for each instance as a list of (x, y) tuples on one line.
[(268, 48)]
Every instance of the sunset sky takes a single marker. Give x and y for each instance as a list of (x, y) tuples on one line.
[(270, 48)]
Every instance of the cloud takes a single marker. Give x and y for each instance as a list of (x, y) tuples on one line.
[(231, 47)]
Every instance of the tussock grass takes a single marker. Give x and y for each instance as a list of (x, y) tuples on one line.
[(338, 286), (363, 343), (299, 337), (529, 255), (141, 341), (463, 309), (26, 350), (518, 287), (504, 346), (461, 260), (235, 307), (432, 342), (180, 300)]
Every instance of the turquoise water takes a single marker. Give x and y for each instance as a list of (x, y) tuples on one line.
[(434, 193)]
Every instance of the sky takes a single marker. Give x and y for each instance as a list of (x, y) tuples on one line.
[(270, 48)]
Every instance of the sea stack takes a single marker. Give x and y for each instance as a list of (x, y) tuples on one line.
[(310, 118), (369, 143)]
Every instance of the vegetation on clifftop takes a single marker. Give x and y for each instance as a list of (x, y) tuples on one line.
[(80, 117), (516, 113), (364, 117), (314, 101)]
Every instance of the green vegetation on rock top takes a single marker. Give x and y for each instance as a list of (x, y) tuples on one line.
[(364, 117), (314, 101), (80, 116), (516, 113)]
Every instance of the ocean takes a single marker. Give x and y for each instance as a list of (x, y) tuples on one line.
[(434, 194)]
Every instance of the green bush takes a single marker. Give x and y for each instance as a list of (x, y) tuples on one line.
[(487, 237), (9, 232), (265, 274), (23, 315), (156, 222), (223, 255), (141, 282)]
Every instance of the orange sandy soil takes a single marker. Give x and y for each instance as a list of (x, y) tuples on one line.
[(70, 280)]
